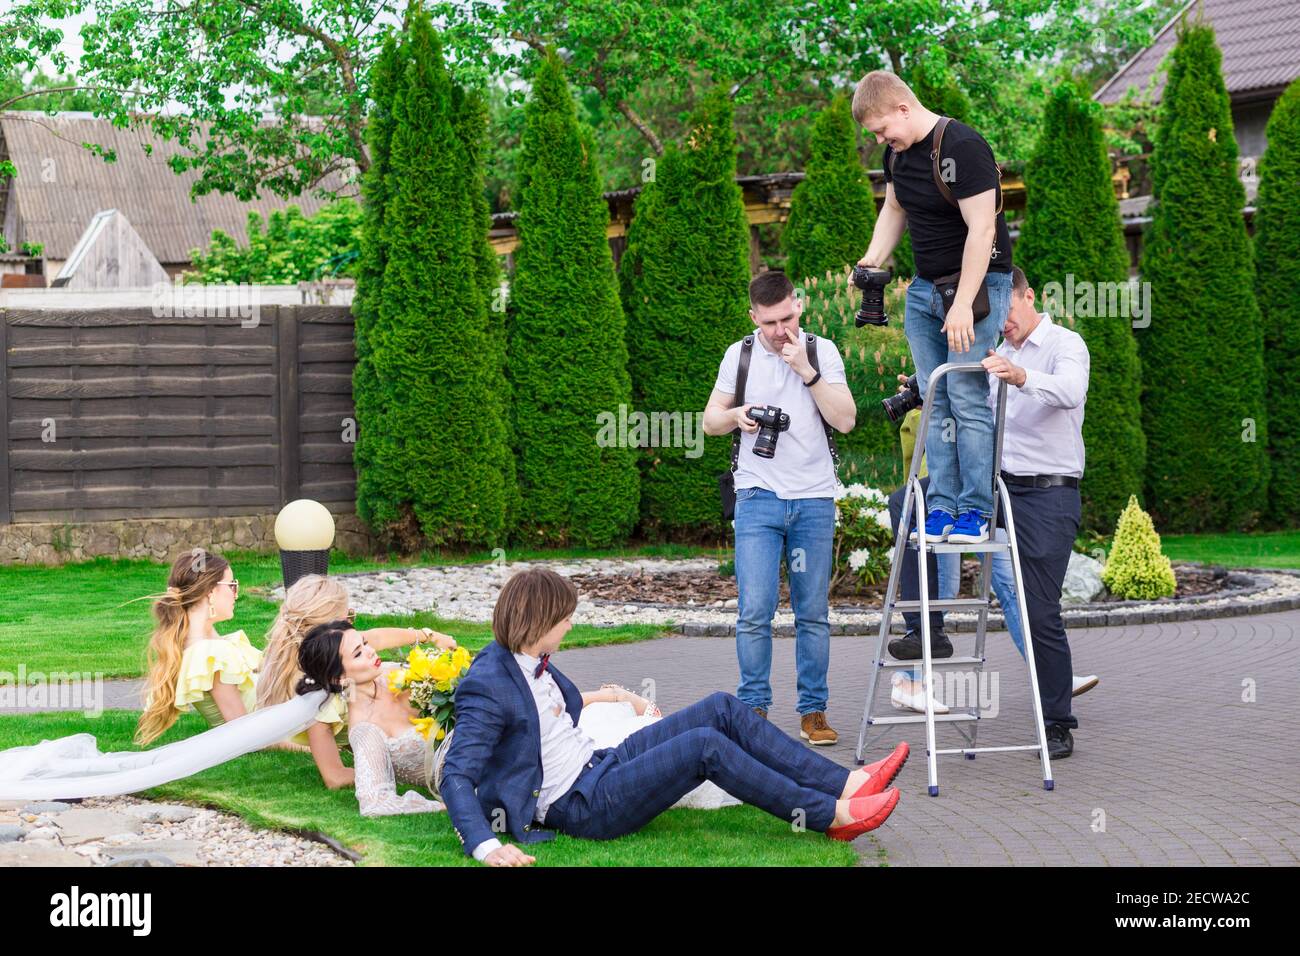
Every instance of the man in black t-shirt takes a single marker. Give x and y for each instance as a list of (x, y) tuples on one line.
[(966, 233)]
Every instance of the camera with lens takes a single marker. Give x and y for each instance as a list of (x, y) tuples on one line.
[(872, 282), (771, 422), (902, 402)]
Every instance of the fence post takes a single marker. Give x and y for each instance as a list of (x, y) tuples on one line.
[(290, 474), (5, 514)]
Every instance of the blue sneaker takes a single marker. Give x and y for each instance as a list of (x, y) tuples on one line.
[(971, 528), (937, 525)]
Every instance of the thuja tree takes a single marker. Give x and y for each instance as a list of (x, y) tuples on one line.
[(567, 353), (685, 280), (1202, 354), (470, 113), (367, 392), (1072, 229), (440, 479), (832, 211), (1277, 285)]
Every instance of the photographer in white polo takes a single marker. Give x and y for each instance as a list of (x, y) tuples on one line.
[(785, 504)]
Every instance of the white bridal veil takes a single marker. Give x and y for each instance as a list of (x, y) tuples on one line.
[(72, 767)]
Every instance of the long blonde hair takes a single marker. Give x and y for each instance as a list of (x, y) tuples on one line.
[(313, 599), (193, 576)]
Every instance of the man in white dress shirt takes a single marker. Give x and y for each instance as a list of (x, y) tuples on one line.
[(1046, 366)]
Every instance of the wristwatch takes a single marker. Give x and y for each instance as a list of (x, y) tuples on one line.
[(814, 380)]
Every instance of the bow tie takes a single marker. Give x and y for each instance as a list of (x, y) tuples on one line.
[(546, 659)]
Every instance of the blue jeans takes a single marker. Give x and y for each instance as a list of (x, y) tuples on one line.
[(949, 574), (959, 440), (1003, 581), (802, 530), (718, 739)]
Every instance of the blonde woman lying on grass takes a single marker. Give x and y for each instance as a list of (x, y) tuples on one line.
[(316, 599)]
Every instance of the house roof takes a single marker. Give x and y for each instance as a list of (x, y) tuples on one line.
[(1260, 40), (61, 185)]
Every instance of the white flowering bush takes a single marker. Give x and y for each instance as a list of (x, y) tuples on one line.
[(863, 538)]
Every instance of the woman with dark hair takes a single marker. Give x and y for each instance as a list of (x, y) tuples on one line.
[(386, 746)]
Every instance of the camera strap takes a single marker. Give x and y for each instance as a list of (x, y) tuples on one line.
[(830, 435), (742, 373), (934, 166)]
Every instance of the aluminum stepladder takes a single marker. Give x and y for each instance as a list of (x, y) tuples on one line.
[(914, 503)]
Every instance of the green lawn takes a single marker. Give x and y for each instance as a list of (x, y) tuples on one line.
[(283, 790), (1276, 549), (75, 617)]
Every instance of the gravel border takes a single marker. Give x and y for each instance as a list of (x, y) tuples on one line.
[(1233, 603), (459, 591)]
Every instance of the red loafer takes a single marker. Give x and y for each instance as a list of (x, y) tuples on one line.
[(883, 772), (868, 813)]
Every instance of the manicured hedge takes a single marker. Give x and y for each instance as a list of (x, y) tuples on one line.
[(375, 488), (1203, 407), (684, 280), (567, 352), (436, 467), (1072, 229), (1277, 287), (832, 211), (873, 359)]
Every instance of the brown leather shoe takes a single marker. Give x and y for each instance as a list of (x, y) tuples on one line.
[(761, 712), (814, 729)]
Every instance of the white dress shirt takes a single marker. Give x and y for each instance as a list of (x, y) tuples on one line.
[(566, 749), (1044, 428)]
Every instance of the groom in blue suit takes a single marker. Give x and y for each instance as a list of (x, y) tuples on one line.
[(518, 763)]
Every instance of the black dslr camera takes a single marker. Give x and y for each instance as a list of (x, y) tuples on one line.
[(900, 403), (771, 422), (872, 282)]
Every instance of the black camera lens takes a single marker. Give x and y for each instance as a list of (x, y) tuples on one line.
[(771, 422), (900, 403), (872, 282)]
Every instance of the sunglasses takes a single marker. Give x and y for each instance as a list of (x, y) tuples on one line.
[(233, 585)]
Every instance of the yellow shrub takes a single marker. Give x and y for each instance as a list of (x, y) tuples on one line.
[(1137, 569)]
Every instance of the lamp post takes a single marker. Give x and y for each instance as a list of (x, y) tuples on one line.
[(304, 530)]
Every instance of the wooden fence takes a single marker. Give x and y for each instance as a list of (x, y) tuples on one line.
[(121, 413)]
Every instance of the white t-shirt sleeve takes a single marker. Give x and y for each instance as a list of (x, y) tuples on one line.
[(831, 362), (727, 370)]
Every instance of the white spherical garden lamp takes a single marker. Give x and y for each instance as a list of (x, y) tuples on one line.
[(304, 530)]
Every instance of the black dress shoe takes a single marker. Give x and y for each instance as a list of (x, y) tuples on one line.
[(908, 647), (1060, 743)]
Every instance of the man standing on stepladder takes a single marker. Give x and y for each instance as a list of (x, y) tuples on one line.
[(942, 184), (1046, 367)]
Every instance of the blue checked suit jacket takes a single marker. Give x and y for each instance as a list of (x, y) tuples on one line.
[(493, 771)]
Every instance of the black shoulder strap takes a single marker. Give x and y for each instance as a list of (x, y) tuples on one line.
[(830, 433), (738, 399), (934, 166)]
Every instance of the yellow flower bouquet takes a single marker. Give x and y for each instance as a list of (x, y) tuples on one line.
[(431, 678)]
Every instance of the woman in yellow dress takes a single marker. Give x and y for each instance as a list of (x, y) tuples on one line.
[(316, 599), (188, 663)]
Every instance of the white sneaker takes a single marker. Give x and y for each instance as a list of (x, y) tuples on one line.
[(1084, 684), (914, 701)]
